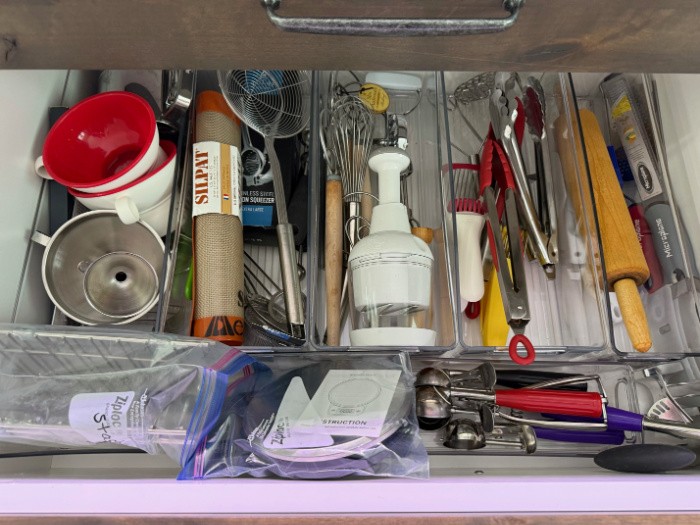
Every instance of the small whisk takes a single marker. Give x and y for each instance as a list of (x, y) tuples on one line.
[(351, 140), (265, 307)]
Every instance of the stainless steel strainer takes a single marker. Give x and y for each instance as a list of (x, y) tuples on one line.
[(276, 104)]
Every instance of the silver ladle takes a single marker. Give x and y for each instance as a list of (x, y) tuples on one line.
[(465, 434)]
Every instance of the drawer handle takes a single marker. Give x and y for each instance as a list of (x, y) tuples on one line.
[(394, 26)]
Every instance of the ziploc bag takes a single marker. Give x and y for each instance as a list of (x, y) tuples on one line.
[(317, 417), (165, 408)]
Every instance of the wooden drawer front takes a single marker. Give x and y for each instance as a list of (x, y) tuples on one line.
[(596, 35)]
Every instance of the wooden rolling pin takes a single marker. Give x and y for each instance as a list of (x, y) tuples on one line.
[(624, 261)]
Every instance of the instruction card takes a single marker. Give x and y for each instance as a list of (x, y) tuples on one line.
[(216, 179), (348, 403), (355, 402)]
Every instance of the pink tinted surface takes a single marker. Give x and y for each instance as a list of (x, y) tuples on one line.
[(603, 493)]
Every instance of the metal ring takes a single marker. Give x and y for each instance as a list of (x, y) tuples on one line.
[(360, 221), (394, 26), (354, 193)]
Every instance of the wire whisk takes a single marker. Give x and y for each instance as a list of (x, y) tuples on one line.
[(264, 296), (350, 131)]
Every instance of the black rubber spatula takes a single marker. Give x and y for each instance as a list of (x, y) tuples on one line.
[(645, 458)]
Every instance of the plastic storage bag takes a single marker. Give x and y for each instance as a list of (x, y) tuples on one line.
[(160, 399), (317, 417)]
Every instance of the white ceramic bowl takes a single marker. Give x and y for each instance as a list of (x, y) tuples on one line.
[(145, 192)]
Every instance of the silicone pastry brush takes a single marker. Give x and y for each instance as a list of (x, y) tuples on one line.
[(624, 261), (469, 215)]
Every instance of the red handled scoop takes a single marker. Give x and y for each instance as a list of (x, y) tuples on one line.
[(583, 404)]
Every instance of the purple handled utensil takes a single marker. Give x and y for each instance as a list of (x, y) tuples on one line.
[(605, 437), (623, 420)]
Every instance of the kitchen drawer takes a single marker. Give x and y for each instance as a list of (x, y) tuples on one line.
[(597, 35), (557, 480)]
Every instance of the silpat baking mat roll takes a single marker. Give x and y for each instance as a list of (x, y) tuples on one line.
[(218, 240)]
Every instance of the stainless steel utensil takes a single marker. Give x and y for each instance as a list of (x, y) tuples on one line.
[(536, 119), (77, 244), (564, 402), (468, 435), (178, 89), (504, 113), (276, 104), (121, 284), (350, 130), (434, 410), (667, 408), (475, 88), (252, 159), (483, 376), (264, 295)]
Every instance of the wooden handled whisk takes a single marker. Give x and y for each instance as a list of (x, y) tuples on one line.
[(351, 130)]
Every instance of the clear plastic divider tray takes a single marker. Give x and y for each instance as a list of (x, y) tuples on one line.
[(567, 312), (663, 225), (442, 134)]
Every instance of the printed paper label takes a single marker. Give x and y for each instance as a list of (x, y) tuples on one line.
[(216, 179), (354, 402), (109, 417), (643, 167)]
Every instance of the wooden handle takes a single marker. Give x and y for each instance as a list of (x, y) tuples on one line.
[(633, 314), (625, 265), (334, 259), (425, 234)]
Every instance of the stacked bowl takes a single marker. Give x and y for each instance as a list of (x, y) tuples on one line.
[(104, 267)]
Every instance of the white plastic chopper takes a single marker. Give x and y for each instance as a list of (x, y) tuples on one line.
[(391, 269)]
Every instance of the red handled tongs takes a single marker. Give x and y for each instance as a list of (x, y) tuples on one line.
[(498, 191)]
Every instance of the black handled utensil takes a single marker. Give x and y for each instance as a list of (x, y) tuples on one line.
[(645, 458)]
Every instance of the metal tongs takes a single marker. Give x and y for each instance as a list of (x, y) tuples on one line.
[(504, 108), (535, 117), (499, 203)]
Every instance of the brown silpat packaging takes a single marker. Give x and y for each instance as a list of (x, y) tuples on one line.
[(217, 231)]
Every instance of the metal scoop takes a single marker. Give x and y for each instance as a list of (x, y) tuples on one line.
[(433, 409), (483, 376), (465, 434)]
